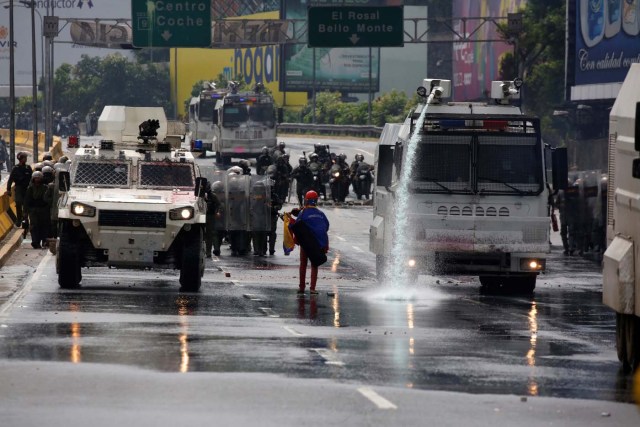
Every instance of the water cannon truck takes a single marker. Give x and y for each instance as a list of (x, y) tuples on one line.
[(478, 196)]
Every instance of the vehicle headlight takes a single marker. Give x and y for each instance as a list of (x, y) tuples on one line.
[(411, 263), (181, 214), (336, 174), (532, 264), (81, 209)]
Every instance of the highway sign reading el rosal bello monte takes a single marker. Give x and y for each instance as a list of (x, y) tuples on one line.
[(171, 23), (355, 26)]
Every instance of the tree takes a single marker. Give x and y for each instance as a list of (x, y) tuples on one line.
[(539, 60), (113, 80)]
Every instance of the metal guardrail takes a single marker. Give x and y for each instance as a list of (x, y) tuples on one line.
[(342, 130)]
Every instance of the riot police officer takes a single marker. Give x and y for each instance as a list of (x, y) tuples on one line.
[(20, 176), (264, 161), (38, 209), (304, 178), (212, 241)]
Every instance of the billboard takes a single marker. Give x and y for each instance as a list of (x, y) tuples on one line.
[(476, 64), (607, 40), (332, 69)]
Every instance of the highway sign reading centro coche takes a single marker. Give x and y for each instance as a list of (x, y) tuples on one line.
[(171, 23), (357, 26)]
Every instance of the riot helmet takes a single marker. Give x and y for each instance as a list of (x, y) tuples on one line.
[(47, 156), (265, 150), (37, 175), (217, 187), (302, 161)]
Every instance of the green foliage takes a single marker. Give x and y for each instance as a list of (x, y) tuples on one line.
[(539, 60), (113, 80), (391, 107)]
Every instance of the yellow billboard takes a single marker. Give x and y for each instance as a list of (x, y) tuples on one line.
[(255, 65)]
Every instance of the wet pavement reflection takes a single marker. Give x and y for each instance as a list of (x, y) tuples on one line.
[(443, 335)]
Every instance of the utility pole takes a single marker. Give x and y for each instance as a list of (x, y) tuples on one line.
[(12, 88)]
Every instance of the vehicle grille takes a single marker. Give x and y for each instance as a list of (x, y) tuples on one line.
[(132, 219)]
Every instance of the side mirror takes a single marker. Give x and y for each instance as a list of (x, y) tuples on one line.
[(637, 132), (201, 186), (215, 117), (64, 181), (280, 115), (385, 166), (560, 172)]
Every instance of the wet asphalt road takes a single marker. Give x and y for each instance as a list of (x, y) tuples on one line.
[(437, 334)]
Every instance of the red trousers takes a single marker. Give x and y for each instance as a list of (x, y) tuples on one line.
[(303, 271)]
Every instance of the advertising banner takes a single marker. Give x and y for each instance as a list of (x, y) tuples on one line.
[(335, 69), (476, 64), (607, 40)]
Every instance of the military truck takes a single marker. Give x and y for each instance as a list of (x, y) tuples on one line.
[(134, 201)]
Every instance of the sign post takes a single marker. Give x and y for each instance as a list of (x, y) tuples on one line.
[(164, 23), (355, 26)]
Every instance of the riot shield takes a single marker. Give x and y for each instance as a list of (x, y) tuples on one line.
[(237, 202), (260, 203)]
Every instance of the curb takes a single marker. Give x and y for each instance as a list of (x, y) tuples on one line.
[(9, 245)]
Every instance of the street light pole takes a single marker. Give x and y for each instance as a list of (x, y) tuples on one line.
[(34, 72), (12, 88)]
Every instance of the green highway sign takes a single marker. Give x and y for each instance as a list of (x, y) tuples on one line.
[(171, 23), (355, 26)]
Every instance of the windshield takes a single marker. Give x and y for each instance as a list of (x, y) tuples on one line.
[(205, 110), (445, 160), (508, 164), (262, 113), (103, 173), (234, 114), (504, 164), (166, 175)]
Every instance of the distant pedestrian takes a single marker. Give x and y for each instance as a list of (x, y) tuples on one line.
[(4, 155), (310, 230)]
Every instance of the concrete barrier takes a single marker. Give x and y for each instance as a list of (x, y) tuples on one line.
[(9, 235)]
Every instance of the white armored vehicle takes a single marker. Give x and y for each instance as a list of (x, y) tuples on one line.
[(477, 190), (621, 273), (132, 202)]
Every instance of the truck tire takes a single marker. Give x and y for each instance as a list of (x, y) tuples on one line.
[(68, 258), (502, 285), (621, 340), (526, 285), (633, 341), (381, 267), (192, 265)]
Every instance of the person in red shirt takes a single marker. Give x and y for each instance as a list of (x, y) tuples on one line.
[(316, 239)]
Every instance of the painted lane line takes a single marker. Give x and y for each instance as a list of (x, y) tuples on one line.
[(293, 332), (364, 151), (268, 311), (357, 249), (252, 297), (377, 400), (328, 356), (342, 239)]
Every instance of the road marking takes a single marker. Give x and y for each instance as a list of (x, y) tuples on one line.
[(357, 249), (364, 151), (252, 297), (377, 400), (268, 311), (293, 331), (328, 356), (342, 239)]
